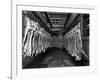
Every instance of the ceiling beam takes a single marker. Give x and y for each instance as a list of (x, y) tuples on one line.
[(67, 18), (73, 22), (58, 21), (56, 15), (48, 19), (51, 18), (57, 25), (41, 17), (72, 17), (41, 21), (56, 29)]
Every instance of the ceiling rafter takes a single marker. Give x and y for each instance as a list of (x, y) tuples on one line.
[(46, 14), (73, 22), (68, 16), (41, 21)]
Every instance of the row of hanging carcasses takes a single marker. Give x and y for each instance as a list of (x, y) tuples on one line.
[(37, 40), (73, 42)]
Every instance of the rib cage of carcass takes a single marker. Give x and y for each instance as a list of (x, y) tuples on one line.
[(73, 42), (36, 39)]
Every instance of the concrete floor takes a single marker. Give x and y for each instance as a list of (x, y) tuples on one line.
[(55, 57)]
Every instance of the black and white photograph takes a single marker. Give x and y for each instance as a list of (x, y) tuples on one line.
[(55, 39), (52, 41)]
